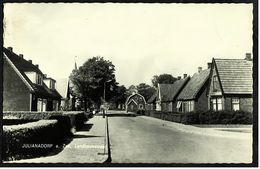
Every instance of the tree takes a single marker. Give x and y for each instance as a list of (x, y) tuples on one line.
[(119, 96), (145, 90), (131, 89), (163, 79), (89, 80)]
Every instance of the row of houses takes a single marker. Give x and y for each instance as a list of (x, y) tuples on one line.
[(26, 88), (226, 84)]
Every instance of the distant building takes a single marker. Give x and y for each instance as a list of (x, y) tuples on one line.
[(63, 89), (194, 95), (168, 93), (231, 84), (25, 87), (151, 103), (135, 102)]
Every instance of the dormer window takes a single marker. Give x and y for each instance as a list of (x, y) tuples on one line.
[(39, 79), (34, 77), (50, 83)]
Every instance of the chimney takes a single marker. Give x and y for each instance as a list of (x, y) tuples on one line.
[(248, 57), (209, 65), (199, 69), (21, 55), (30, 61), (10, 49), (37, 65), (184, 76), (45, 75), (179, 77)]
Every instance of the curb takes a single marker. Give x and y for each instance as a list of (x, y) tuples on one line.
[(108, 152)]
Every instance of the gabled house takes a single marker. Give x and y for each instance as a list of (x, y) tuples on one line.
[(168, 93), (231, 84), (135, 102), (25, 87), (194, 95)]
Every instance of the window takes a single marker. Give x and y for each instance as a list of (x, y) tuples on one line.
[(191, 106), (55, 105), (140, 106), (214, 104), (215, 82), (44, 104), (39, 104), (217, 104), (235, 104), (178, 105), (219, 100), (39, 79)]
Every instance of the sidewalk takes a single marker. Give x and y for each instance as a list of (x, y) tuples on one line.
[(89, 145)]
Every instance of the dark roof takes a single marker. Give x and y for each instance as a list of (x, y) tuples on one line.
[(236, 75), (153, 98), (169, 92), (23, 66), (192, 88)]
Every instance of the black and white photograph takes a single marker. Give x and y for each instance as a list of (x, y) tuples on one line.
[(129, 84)]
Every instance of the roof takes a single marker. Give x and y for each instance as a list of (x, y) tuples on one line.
[(169, 92), (23, 66), (153, 97), (197, 81), (62, 86), (127, 100), (236, 75)]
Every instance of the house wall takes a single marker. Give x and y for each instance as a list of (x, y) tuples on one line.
[(245, 103), (132, 107), (174, 106), (201, 104), (150, 106), (16, 95)]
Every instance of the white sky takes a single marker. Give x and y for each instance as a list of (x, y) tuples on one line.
[(141, 40)]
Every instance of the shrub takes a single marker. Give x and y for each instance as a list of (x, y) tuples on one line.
[(16, 136), (218, 117)]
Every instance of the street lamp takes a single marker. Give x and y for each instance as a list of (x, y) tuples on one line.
[(105, 96)]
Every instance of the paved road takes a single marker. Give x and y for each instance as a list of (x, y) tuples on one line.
[(148, 140)]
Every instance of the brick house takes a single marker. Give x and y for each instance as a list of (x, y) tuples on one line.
[(194, 95), (25, 87), (135, 102), (168, 93), (231, 84)]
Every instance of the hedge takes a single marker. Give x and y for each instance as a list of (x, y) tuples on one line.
[(208, 117), (72, 119), (218, 117), (17, 138), (53, 130)]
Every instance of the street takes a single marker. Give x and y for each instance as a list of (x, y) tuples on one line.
[(144, 139)]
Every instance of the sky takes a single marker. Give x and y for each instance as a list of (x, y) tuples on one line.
[(141, 40)]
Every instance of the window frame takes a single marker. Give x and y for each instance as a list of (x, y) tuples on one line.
[(235, 103)]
